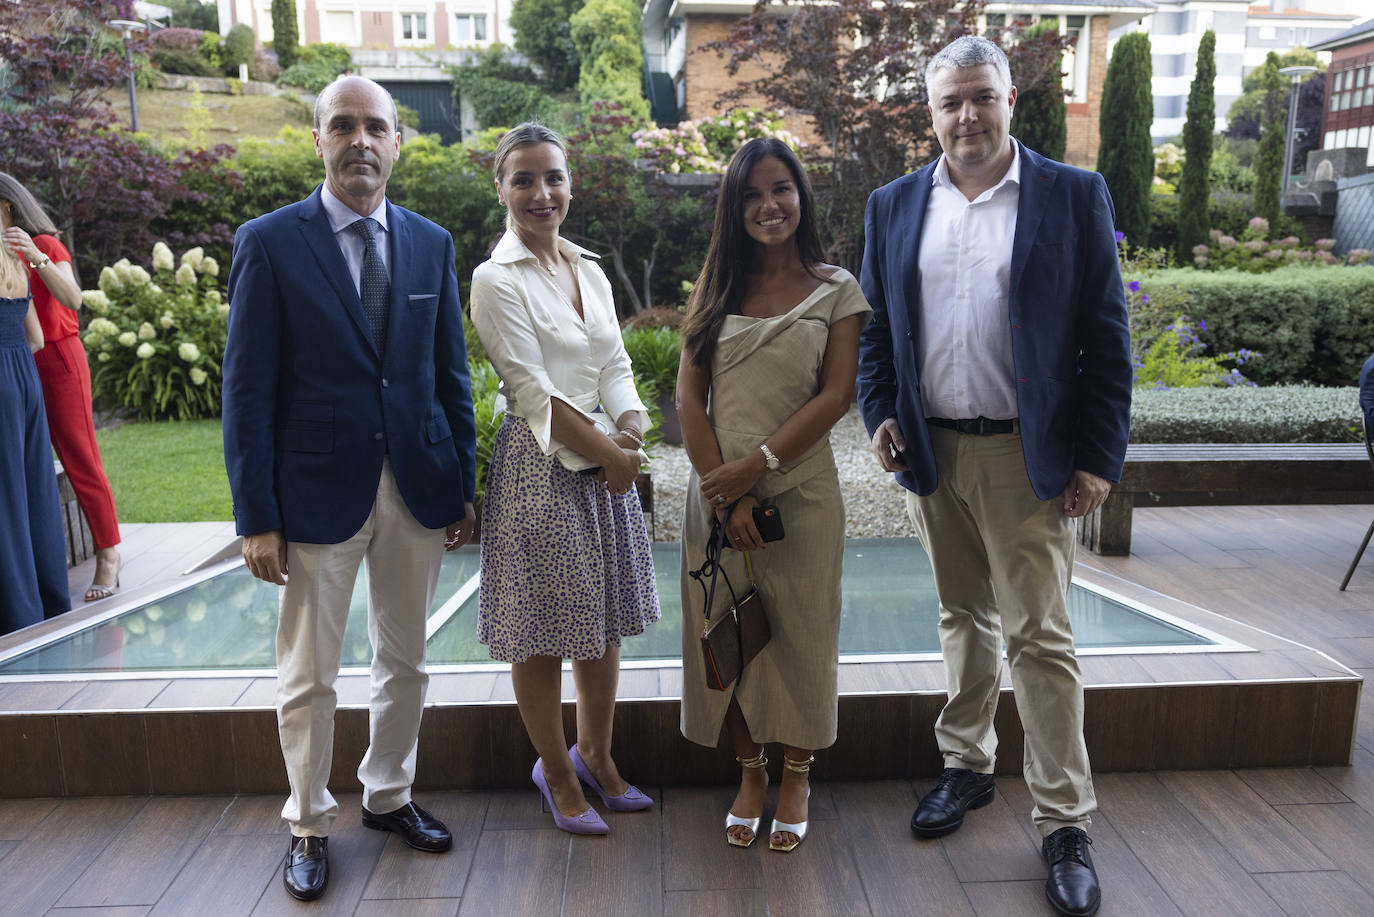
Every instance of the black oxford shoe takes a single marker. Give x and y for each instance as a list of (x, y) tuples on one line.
[(1072, 884), (307, 867), (941, 811), (420, 829)]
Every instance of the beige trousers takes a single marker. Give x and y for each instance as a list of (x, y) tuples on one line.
[(403, 560), (1003, 560)]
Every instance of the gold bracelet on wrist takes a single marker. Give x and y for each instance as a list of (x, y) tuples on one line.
[(39, 265)]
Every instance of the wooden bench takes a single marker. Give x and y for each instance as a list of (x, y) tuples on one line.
[(76, 534), (1221, 474)]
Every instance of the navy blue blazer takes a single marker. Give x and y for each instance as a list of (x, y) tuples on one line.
[(310, 411), (1367, 393), (1069, 337)]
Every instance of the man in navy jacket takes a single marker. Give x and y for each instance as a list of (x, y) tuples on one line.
[(348, 435), (995, 382)]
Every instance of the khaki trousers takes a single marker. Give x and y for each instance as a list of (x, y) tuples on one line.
[(1003, 560), (403, 560)]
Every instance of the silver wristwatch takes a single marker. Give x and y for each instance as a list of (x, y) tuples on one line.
[(769, 457)]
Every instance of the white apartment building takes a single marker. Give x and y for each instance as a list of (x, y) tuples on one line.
[(1246, 32), (378, 25)]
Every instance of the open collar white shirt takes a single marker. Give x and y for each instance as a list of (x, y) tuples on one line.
[(540, 347), (966, 368), (341, 216)]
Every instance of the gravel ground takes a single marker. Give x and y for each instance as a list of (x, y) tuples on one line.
[(874, 506)]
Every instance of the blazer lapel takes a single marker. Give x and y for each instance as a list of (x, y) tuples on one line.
[(398, 236), (319, 238), (1036, 185), (915, 196)]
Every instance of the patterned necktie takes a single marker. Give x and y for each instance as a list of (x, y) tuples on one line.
[(375, 285)]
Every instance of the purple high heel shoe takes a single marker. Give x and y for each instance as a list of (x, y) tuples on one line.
[(632, 800), (586, 823)]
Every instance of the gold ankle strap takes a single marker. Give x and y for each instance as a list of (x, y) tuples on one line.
[(798, 767), (757, 761)]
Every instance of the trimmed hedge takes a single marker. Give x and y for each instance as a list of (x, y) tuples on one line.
[(1277, 414), (1312, 324)]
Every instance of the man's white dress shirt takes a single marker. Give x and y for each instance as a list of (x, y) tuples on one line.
[(964, 349), (341, 216)]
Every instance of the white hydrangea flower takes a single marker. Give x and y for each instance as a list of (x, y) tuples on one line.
[(166, 321), (138, 276), (188, 352), (193, 257), (144, 351), (146, 332), (212, 296), (104, 327), (93, 339), (224, 310), (186, 275), (103, 357), (154, 289), (162, 257), (123, 271), (198, 375), (128, 339), (210, 266), (96, 300), (109, 281)]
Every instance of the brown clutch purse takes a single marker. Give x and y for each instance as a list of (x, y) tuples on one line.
[(737, 634)]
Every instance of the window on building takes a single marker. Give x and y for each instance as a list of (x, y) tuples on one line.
[(415, 26), (469, 27), (996, 22)]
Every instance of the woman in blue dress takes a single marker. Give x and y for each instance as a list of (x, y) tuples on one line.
[(33, 563)]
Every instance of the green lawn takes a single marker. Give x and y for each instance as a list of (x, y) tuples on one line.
[(167, 472)]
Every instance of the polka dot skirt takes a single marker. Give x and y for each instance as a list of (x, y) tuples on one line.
[(566, 566)]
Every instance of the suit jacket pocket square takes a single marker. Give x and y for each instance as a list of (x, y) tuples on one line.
[(422, 300)]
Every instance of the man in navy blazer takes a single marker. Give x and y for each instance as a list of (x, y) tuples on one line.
[(995, 382), (348, 436)]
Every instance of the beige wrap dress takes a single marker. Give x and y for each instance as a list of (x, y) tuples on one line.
[(763, 372)]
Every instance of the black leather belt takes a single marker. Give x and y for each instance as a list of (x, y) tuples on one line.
[(978, 426)]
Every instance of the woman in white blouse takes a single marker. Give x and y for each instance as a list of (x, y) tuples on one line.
[(566, 563)]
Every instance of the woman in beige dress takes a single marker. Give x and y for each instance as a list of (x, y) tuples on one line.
[(770, 351)]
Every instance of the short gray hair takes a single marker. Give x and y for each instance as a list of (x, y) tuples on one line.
[(969, 51), (334, 84)]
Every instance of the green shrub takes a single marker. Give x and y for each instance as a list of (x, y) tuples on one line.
[(238, 48), (654, 353), (212, 50), (1276, 414), (186, 63), (485, 383), (157, 339), (1311, 325), (316, 66)]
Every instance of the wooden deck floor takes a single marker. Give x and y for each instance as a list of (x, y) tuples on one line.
[(1248, 842)]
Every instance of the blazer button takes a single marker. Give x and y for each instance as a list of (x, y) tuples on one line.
[(376, 436), (385, 383)]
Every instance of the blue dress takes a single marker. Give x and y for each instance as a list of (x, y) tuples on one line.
[(33, 561)]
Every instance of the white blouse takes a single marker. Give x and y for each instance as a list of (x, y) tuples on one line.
[(541, 348)]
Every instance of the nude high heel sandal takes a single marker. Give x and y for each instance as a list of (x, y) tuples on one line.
[(732, 820)]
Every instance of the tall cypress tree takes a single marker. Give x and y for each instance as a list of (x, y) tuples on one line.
[(285, 37), (1126, 156), (1039, 119), (1194, 187), (1269, 156)]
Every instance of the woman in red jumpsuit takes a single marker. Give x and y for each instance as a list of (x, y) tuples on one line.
[(65, 374)]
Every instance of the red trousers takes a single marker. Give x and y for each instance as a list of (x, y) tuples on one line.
[(66, 379)]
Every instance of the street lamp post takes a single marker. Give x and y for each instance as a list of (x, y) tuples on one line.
[(1297, 73), (128, 27)]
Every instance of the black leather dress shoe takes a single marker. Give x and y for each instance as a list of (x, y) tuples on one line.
[(941, 811), (307, 867), (1072, 884), (420, 829)]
